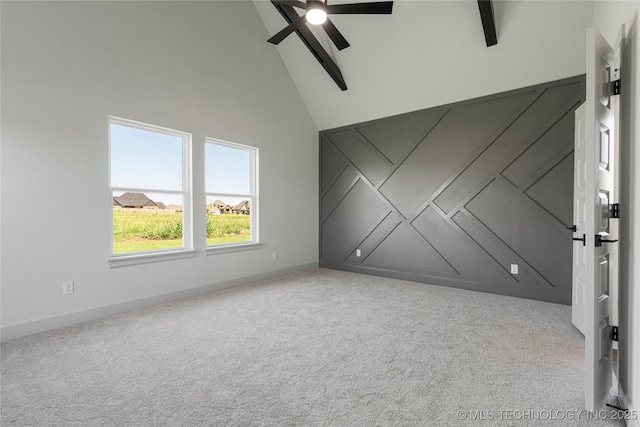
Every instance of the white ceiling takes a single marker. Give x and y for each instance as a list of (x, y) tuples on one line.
[(430, 53)]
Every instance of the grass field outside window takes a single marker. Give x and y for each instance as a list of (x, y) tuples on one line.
[(136, 231)]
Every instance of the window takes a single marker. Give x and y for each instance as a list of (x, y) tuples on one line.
[(231, 193), (150, 188)]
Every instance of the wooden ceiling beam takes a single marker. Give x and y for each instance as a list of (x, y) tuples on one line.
[(488, 22)]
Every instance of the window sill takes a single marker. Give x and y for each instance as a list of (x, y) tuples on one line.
[(126, 260), (222, 249)]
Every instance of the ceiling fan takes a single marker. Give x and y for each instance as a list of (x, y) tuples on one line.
[(316, 12)]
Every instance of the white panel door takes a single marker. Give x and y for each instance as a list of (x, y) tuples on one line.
[(578, 314), (599, 193)]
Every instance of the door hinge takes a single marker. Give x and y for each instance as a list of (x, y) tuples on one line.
[(613, 88), (614, 333), (614, 210)]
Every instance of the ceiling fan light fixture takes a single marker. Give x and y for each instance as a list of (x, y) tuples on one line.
[(316, 16)]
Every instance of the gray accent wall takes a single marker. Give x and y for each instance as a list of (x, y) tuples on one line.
[(453, 195)]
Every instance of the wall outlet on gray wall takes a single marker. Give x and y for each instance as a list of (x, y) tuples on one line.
[(67, 288)]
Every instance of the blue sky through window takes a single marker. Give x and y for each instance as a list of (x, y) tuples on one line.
[(227, 170), (144, 159), (153, 161)]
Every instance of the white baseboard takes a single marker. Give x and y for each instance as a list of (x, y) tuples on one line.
[(10, 332), (634, 415)]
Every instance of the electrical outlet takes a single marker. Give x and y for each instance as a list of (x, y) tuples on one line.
[(358, 253), (67, 288), (274, 256), (514, 268)]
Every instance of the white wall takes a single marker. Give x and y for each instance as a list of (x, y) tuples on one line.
[(199, 67), (608, 16), (430, 53)]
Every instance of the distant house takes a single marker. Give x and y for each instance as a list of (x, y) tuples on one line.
[(241, 208), (130, 200), (160, 205), (219, 206)]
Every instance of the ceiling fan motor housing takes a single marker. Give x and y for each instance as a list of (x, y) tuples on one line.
[(316, 12)]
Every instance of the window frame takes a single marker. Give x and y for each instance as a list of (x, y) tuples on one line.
[(252, 196), (186, 251)]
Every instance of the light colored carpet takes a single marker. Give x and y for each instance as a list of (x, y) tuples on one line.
[(320, 348)]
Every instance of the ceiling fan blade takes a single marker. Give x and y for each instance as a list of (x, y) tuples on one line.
[(382, 8), (336, 36), (282, 34), (294, 3)]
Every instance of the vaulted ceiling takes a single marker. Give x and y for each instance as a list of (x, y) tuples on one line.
[(428, 53)]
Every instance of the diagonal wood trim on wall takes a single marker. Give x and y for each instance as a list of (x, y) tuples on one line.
[(454, 195)]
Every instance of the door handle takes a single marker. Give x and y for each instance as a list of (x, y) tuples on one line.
[(600, 240), (582, 239), (573, 228)]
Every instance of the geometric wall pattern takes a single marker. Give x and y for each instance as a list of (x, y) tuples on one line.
[(454, 195)]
